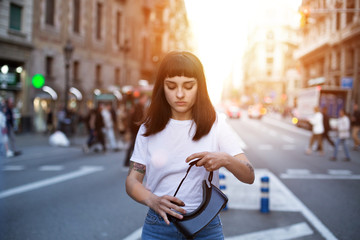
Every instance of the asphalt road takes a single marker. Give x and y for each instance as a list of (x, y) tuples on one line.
[(62, 193)]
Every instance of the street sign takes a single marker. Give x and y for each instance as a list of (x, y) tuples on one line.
[(347, 82)]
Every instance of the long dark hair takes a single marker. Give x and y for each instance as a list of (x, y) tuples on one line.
[(180, 63)]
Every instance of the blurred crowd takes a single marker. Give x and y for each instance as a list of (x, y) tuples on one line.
[(114, 129)]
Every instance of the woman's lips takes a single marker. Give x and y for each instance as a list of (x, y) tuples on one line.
[(180, 103)]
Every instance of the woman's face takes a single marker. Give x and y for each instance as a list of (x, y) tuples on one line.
[(180, 93)]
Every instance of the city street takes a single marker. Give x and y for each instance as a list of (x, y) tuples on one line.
[(61, 193)]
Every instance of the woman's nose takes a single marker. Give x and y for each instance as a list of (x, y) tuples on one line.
[(180, 93)]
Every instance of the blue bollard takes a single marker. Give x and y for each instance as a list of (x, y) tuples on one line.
[(264, 202), (222, 186)]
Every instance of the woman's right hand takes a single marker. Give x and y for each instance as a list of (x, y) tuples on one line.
[(167, 205)]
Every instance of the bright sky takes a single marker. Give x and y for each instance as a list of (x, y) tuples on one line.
[(220, 29)]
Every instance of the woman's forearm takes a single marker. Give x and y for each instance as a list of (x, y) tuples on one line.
[(137, 191), (242, 169)]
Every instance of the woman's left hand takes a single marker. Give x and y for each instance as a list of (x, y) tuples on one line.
[(211, 161)]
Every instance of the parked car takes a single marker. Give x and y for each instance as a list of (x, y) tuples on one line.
[(233, 112), (256, 111)]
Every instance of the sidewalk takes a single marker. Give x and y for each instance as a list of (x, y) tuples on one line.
[(38, 143), (29, 143)]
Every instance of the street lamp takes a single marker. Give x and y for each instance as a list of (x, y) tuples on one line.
[(125, 48), (68, 50)]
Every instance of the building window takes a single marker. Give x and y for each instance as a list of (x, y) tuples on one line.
[(158, 45), (50, 12), (269, 60), (338, 60), (350, 58), (76, 66), (15, 17), (145, 50), (118, 28), (269, 73), (99, 8), (76, 16), (338, 21), (98, 75), (49, 61), (350, 5), (117, 81), (270, 35), (159, 15)]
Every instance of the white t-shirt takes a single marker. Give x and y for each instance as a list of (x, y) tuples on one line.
[(164, 156), (343, 127), (107, 118), (317, 123)]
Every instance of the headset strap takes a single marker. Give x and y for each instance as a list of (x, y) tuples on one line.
[(190, 166)]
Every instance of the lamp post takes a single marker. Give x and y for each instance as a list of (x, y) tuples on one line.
[(125, 48), (68, 50)]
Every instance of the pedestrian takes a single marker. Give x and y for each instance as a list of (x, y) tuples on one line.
[(343, 133), (327, 127), (49, 122), (10, 125), (121, 117), (181, 125), (4, 147), (317, 131), (61, 115), (109, 118), (90, 125), (136, 115), (99, 126), (355, 123)]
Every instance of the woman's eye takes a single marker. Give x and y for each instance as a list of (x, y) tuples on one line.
[(171, 87), (189, 86)]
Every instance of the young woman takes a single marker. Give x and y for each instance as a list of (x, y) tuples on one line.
[(180, 126)]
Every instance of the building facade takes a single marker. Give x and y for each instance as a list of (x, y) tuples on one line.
[(329, 53), (116, 44), (270, 75), (16, 31)]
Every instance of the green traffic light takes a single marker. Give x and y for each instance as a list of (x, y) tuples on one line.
[(38, 81)]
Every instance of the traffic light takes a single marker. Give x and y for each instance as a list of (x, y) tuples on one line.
[(38, 80), (305, 13)]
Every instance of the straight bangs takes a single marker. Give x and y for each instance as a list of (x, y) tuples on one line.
[(179, 65)]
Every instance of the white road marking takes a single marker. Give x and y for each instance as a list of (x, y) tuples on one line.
[(288, 139), (135, 235), (339, 172), (312, 218), (320, 176), (298, 171), (265, 147), (272, 133), (85, 170), (13, 168), (289, 127), (242, 196), (288, 147), (51, 168), (284, 233)]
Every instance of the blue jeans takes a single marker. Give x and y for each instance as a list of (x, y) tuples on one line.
[(343, 142), (155, 228)]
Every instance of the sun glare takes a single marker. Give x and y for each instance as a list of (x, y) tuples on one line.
[(220, 29)]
